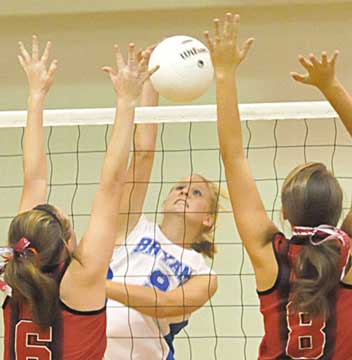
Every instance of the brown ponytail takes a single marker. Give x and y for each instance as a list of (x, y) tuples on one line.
[(205, 247), (318, 275), (28, 272), (311, 196), (30, 284)]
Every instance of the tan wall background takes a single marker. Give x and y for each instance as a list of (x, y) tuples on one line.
[(83, 44)]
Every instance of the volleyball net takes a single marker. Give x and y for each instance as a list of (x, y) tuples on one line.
[(277, 137)]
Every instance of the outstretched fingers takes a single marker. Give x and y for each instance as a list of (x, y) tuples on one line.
[(25, 58), (229, 26), (24, 53), (246, 47), (35, 48), (131, 58), (236, 24), (52, 68), (324, 58), (22, 62), (305, 63), (208, 40), (46, 53), (334, 58), (142, 52), (149, 73), (144, 61), (299, 77), (120, 62), (217, 33), (110, 71), (314, 60)]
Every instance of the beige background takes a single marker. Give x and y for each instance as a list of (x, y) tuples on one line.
[(83, 35), (83, 44)]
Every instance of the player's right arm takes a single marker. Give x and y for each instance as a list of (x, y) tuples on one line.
[(181, 301), (347, 224), (322, 74), (254, 225), (140, 168), (83, 285)]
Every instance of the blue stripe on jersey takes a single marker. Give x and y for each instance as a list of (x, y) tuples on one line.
[(110, 274), (169, 338)]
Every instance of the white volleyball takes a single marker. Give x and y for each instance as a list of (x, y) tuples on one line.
[(185, 72)]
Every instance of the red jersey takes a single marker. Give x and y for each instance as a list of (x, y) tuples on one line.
[(75, 335), (293, 335)]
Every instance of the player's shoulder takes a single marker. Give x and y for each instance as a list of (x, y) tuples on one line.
[(202, 266), (144, 227)]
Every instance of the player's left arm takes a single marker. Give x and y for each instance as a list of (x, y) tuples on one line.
[(321, 73), (181, 301), (141, 164), (347, 224), (40, 78)]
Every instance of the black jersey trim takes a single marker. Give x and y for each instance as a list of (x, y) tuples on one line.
[(278, 278), (346, 286), (7, 299), (79, 312)]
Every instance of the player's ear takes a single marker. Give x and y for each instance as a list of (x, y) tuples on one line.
[(209, 220)]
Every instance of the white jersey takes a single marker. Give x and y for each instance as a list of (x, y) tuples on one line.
[(148, 258)]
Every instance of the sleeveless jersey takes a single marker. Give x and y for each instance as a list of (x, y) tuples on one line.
[(295, 335), (75, 335), (148, 258)]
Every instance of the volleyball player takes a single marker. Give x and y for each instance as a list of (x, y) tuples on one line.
[(159, 272), (304, 283), (57, 307)]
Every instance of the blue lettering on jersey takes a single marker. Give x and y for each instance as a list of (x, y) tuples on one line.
[(149, 246), (159, 280), (154, 248), (184, 275), (143, 244), (167, 257)]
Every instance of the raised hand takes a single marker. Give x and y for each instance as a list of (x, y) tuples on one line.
[(225, 53), (320, 73), (40, 77), (128, 78), (150, 96), (144, 54)]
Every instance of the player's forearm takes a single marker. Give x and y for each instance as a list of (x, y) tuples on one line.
[(116, 158), (229, 125), (140, 168), (145, 134), (34, 158), (149, 301), (150, 96), (341, 101), (181, 301)]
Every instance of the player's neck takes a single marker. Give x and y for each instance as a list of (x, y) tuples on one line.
[(176, 229)]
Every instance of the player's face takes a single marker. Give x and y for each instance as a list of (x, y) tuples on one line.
[(190, 196)]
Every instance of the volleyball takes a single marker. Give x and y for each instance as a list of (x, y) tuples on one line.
[(185, 72)]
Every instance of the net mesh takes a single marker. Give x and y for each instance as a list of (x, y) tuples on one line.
[(277, 137)]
